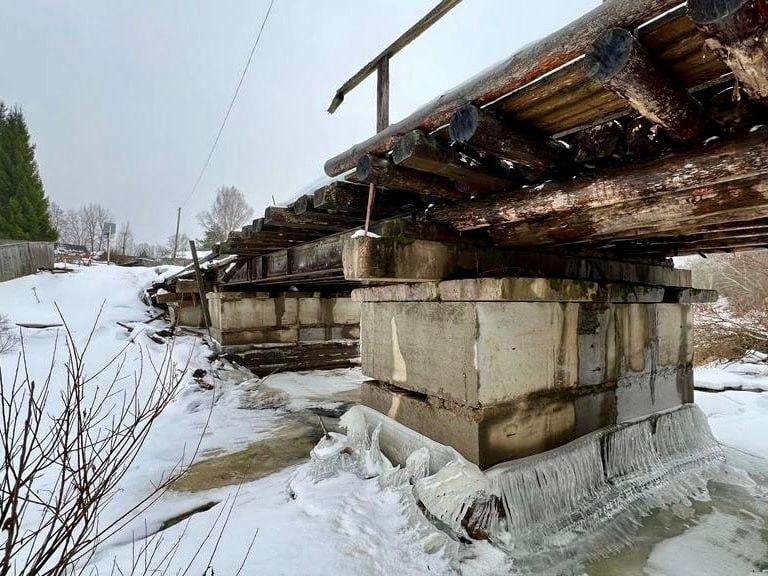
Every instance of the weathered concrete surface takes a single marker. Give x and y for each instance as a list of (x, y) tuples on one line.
[(493, 434), (484, 353), (504, 368), (242, 318), (529, 289), (400, 259), (186, 313)]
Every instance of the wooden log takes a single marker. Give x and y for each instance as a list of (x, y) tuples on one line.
[(384, 173), (643, 139), (706, 166), (261, 229), (350, 199), (518, 70), (421, 152), (304, 203), (599, 142), (481, 129), (618, 61), (683, 211), (738, 31), (287, 218)]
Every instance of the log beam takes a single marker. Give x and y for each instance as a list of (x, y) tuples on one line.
[(482, 130), (620, 63), (714, 179), (419, 151), (738, 31), (384, 173), (287, 218), (518, 70), (351, 199), (304, 204)]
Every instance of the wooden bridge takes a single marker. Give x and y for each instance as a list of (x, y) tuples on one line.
[(525, 221)]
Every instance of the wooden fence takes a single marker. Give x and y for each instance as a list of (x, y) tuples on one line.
[(22, 258)]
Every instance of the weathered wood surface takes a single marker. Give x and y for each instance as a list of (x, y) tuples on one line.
[(382, 94), (725, 176), (382, 172), (519, 69), (422, 152), (489, 133), (352, 199), (264, 360), (328, 223), (23, 258), (618, 61), (738, 31)]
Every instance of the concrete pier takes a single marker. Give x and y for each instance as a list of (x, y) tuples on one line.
[(245, 318), (501, 368)]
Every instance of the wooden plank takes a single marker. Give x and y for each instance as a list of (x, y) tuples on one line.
[(519, 69), (618, 61), (201, 287)]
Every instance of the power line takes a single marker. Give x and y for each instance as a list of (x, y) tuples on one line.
[(231, 104)]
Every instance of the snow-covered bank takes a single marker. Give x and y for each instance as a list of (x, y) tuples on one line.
[(751, 373)]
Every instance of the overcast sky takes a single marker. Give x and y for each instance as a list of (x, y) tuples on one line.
[(123, 98)]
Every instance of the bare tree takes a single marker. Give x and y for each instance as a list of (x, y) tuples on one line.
[(125, 238), (8, 339), (62, 465), (229, 212), (738, 323), (181, 247), (58, 217), (92, 217)]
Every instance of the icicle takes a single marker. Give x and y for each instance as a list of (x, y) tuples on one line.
[(586, 495)]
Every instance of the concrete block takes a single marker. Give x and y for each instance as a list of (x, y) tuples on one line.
[(489, 435), (518, 290), (642, 394), (473, 353)]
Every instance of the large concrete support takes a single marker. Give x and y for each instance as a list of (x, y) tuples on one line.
[(247, 318), (505, 368)]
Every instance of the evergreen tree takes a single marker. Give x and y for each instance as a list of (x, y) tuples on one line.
[(24, 210)]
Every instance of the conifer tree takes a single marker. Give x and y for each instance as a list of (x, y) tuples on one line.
[(24, 210)]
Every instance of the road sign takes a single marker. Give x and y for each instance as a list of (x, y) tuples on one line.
[(108, 229)]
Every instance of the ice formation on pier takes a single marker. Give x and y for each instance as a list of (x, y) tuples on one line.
[(582, 500)]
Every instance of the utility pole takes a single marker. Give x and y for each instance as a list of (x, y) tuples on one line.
[(176, 238)]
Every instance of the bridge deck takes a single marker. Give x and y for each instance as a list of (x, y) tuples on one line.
[(635, 132)]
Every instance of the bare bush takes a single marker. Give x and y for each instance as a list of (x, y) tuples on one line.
[(65, 450), (738, 323), (8, 338)]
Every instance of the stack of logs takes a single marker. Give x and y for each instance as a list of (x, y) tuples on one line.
[(649, 144)]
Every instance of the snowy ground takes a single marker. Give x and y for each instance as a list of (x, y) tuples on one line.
[(284, 523)]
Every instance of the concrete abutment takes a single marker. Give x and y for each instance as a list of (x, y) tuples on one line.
[(502, 368)]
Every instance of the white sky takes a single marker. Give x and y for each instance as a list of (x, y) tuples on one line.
[(123, 98)]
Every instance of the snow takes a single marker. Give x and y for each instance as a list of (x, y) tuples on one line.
[(738, 419), (751, 373), (363, 234), (343, 524)]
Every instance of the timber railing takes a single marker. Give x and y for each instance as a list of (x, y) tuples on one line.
[(23, 258)]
